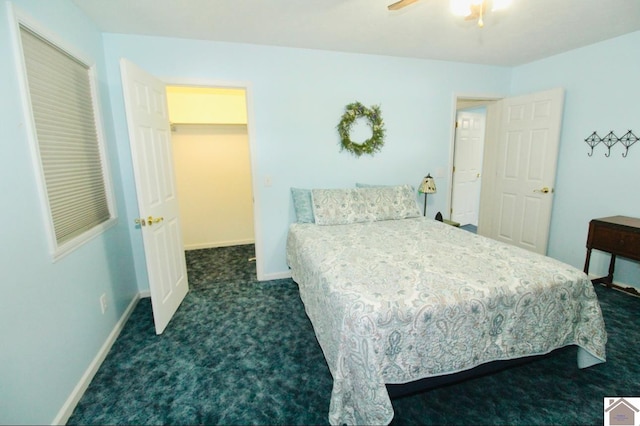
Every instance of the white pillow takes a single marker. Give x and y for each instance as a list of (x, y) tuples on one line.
[(341, 206)]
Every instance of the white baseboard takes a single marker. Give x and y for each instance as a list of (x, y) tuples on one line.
[(73, 399), (275, 276), (218, 244)]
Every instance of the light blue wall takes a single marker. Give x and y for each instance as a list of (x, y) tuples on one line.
[(602, 91), (51, 326), (298, 97)]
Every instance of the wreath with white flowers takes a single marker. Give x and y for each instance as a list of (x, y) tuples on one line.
[(373, 115)]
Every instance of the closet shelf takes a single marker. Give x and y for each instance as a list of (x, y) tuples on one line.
[(207, 124)]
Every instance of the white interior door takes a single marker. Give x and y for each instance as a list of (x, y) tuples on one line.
[(467, 164), (527, 154), (150, 138)]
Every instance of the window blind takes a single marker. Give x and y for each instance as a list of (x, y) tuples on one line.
[(70, 155)]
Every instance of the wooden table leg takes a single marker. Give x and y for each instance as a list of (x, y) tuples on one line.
[(612, 265), (586, 262)]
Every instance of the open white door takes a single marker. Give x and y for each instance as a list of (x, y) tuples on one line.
[(150, 138), (527, 156), (467, 164)]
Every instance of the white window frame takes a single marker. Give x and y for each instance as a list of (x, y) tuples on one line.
[(17, 20)]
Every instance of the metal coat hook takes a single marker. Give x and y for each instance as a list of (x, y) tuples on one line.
[(627, 140), (592, 141), (610, 140)]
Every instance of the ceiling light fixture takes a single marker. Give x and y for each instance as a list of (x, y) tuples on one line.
[(475, 9)]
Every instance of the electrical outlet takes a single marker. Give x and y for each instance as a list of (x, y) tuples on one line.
[(103, 302)]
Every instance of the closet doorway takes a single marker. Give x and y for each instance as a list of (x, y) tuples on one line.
[(212, 165)]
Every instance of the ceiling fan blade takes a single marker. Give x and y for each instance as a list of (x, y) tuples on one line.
[(400, 4)]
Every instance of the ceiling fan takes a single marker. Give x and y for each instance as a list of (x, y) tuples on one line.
[(470, 9)]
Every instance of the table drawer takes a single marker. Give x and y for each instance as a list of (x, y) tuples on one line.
[(616, 241)]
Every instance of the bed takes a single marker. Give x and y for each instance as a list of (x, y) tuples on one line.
[(394, 297)]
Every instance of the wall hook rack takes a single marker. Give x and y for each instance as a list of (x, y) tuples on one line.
[(610, 140)]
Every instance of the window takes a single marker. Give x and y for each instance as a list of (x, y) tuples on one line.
[(68, 144)]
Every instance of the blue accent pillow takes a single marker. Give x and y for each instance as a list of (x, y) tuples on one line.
[(303, 205)]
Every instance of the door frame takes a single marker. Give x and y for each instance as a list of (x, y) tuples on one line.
[(492, 123), (248, 89)]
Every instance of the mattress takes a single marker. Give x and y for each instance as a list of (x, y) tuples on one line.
[(394, 301)]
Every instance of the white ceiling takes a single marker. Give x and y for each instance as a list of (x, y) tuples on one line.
[(527, 31)]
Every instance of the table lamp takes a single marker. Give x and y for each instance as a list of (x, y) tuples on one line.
[(427, 186)]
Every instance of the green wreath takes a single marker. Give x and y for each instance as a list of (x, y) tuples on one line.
[(374, 117)]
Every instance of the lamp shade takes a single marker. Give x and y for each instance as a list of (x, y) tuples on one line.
[(428, 185)]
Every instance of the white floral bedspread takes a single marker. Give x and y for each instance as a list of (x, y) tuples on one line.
[(398, 300)]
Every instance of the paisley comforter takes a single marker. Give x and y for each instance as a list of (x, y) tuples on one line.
[(399, 300)]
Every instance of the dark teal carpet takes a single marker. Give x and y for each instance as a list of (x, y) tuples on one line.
[(242, 352)]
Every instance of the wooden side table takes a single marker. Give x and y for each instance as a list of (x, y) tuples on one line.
[(619, 236)]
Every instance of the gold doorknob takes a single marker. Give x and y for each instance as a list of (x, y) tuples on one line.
[(544, 190), (151, 220)]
